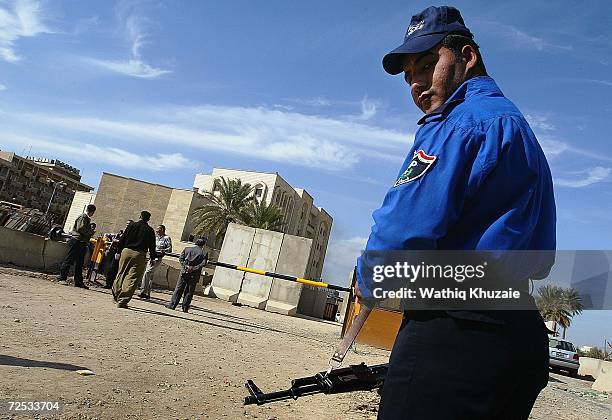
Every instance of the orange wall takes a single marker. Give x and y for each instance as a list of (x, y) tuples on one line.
[(379, 330)]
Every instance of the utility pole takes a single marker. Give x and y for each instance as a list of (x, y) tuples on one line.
[(55, 185)]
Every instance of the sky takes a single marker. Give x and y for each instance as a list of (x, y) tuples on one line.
[(161, 90)]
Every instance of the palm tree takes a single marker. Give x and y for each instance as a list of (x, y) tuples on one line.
[(229, 202), (264, 216), (558, 305), (573, 303)]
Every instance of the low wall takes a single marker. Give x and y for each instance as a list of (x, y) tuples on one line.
[(589, 366), (604, 377), (167, 274), (53, 254), (28, 250)]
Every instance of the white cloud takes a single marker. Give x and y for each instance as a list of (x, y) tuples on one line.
[(596, 81), (368, 108), (132, 67), (135, 66), (2, 87), (539, 121), (23, 19), (552, 147), (521, 39), (85, 152), (318, 101), (257, 132), (341, 258), (584, 178)]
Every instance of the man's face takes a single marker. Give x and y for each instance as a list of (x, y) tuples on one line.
[(433, 76), (160, 230)]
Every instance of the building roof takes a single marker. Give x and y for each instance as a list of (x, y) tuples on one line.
[(147, 182)]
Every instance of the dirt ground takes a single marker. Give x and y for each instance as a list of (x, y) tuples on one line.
[(151, 362)]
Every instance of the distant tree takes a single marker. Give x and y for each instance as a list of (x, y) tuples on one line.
[(574, 304), (264, 216), (229, 201), (596, 353), (558, 305)]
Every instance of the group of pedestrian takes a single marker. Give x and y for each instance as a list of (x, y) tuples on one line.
[(127, 264)]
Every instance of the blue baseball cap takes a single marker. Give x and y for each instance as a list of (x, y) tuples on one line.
[(425, 31)]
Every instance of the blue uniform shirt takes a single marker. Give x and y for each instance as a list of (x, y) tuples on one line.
[(475, 179)]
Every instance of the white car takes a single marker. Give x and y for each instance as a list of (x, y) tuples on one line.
[(563, 355)]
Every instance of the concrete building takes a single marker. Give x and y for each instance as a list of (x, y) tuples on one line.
[(302, 217), (119, 199), (79, 203), (31, 182)]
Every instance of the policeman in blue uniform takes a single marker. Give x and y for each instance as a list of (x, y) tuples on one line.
[(475, 179)]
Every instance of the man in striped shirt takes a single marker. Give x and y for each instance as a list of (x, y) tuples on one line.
[(163, 245)]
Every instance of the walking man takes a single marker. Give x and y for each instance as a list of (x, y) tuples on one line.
[(475, 179), (81, 233), (112, 266), (192, 260), (163, 245), (137, 239)]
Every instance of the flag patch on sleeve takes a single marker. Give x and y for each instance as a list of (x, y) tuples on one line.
[(420, 163)]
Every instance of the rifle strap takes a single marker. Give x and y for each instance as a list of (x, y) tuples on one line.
[(350, 336)]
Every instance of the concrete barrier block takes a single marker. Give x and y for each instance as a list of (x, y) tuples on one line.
[(160, 277), (589, 366), (236, 248), (254, 301), (603, 382), (223, 294), (21, 249), (281, 308), (312, 301), (173, 276), (53, 255), (292, 260), (264, 254)]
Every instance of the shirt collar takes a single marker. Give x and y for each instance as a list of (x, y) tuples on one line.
[(476, 86)]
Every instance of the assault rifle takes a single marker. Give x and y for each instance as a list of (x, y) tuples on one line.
[(352, 378)]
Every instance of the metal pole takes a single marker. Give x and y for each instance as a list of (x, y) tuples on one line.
[(273, 275), (51, 199)]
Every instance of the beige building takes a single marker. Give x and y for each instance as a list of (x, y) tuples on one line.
[(119, 199), (302, 217)]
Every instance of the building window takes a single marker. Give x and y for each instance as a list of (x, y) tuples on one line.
[(258, 192)]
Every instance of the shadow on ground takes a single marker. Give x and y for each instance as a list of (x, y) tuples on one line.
[(18, 361)]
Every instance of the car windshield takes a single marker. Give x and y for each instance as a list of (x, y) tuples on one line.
[(561, 345)]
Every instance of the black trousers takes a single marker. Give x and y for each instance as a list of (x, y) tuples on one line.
[(76, 255), (111, 269), (185, 286), (449, 368)]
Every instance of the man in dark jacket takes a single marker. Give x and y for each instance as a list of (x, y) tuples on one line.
[(137, 239), (192, 260), (112, 263), (80, 235)]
